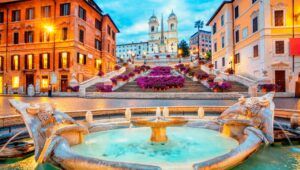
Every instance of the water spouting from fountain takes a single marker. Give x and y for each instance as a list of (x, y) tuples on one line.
[(293, 149)]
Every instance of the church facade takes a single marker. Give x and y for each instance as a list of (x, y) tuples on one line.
[(162, 42)]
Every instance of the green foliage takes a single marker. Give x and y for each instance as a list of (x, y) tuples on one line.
[(185, 48), (208, 55)]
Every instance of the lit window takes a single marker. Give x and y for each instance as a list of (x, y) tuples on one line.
[(1, 84), (45, 61), (15, 82), (81, 58), (64, 60), (44, 82), (98, 63), (16, 62), (29, 62)]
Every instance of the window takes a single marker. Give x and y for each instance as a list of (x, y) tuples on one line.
[(1, 17), (255, 51), (0, 39), (44, 82), (64, 35), (253, 1), (16, 15), (245, 33), (29, 37), (64, 60), (237, 59), (29, 13), (82, 13), (15, 63), (236, 12), (278, 14), (223, 61), (237, 36), (113, 35), (97, 44), (16, 38), (215, 47), (279, 47), (44, 36), (98, 24), (216, 64), (172, 27), (81, 36), (98, 63), (108, 47), (15, 82), (81, 59), (152, 29), (108, 30), (45, 61), (1, 63), (29, 62), (214, 28), (254, 24), (65, 9), (222, 20), (46, 11), (223, 42)]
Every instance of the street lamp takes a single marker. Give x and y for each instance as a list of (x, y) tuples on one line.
[(144, 57), (179, 54)]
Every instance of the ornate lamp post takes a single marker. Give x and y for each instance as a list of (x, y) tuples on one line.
[(179, 54)]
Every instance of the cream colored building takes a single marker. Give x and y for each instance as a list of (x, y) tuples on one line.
[(253, 36)]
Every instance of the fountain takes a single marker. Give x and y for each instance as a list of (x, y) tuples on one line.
[(59, 139), (159, 125)]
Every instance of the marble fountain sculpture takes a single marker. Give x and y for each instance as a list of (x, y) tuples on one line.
[(248, 122)]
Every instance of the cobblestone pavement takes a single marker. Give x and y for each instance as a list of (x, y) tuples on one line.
[(72, 103)]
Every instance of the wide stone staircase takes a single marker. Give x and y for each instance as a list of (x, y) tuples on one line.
[(189, 86)]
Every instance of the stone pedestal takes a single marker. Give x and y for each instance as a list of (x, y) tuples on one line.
[(159, 135)]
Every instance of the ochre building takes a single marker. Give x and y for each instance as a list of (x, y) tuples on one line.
[(45, 42)]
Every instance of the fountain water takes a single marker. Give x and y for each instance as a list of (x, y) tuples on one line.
[(293, 149)]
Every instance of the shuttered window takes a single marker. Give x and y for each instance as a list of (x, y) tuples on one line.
[(65, 9), (81, 58), (279, 47), (29, 62), (82, 13), (15, 62), (278, 18), (45, 61), (64, 60)]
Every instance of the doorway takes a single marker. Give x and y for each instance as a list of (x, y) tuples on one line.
[(64, 83), (29, 80), (1, 84), (280, 80), (297, 90)]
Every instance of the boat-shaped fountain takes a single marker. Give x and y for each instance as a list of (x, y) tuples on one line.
[(221, 143)]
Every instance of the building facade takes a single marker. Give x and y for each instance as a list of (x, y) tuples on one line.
[(204, 44), (136, 50), (254, 38), (163, 42), (49, 42)]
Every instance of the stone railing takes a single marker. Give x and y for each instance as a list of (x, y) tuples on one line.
[(104, 79), (238, 78)]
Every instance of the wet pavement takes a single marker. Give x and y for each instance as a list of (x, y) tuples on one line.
[(73, 103)]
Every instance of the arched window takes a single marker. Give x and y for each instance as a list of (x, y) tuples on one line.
[(172, 27), (152, 29)]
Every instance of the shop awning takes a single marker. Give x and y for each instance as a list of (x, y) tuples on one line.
[(295, 46)]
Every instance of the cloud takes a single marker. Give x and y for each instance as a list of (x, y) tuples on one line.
[(131, 16)]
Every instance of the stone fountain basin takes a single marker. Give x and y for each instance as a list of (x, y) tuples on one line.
[(63, 155)]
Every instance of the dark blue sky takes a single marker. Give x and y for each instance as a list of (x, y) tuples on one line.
[(131, 16)]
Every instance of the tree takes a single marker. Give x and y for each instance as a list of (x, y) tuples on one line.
[(208, 55), (185, 48)]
